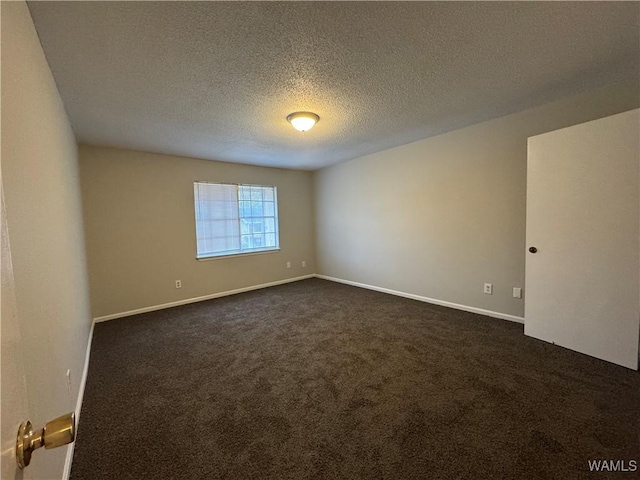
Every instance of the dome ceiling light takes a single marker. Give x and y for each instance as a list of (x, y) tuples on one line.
[(303, 121)]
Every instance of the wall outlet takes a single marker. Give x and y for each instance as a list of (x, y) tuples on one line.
[(288, 264), (304, 264), (517, 292), (69, 381), (488, 288), (178, 283)]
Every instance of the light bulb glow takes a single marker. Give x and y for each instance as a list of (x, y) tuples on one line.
[(303, 121)]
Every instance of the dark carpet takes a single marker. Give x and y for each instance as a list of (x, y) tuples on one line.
[(319, 380)]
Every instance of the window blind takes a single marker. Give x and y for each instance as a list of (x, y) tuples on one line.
[(233, 219)]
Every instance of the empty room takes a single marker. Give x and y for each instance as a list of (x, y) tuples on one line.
[(320, 240)]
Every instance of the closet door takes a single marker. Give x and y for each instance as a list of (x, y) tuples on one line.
[(583, 238)]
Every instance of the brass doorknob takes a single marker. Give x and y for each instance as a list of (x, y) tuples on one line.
[(55, 433)]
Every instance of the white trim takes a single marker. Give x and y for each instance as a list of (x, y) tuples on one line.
[(198, 299), (239, 254), (83, 381), (457, 306)]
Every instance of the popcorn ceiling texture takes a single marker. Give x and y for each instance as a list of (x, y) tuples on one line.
[(216, 80)]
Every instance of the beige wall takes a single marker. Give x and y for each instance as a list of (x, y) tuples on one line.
[(140, 229), (44, 219), (440, 217)]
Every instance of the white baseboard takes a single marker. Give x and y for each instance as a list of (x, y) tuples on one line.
[(457, 306), (198, 299), (83, 382)]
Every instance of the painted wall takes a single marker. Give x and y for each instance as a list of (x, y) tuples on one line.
[(140, 229), (44, 219), (583, 216), (440, 217)]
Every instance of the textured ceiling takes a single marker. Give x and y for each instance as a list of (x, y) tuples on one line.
[(216, 80)]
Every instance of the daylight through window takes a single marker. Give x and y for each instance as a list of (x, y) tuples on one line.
[(233, 219)]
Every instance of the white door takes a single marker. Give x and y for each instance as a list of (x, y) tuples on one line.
[(583, 209), (13, 394)]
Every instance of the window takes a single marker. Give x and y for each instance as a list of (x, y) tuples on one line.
[(233, 219)]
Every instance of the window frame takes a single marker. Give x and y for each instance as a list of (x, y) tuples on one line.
[(241, 252)]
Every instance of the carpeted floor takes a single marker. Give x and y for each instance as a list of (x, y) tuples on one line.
[(320, 380)]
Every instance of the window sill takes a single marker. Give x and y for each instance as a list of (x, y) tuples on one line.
[(232, 255)]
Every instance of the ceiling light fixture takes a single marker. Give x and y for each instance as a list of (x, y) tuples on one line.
[(303, 121)]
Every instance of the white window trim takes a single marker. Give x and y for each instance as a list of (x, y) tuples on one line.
[(234, 255)]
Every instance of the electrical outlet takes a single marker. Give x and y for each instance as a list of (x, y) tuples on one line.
[(178, 283), (288, 264), (517, 292), (488, 288), (304, 264), (69, 381)]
